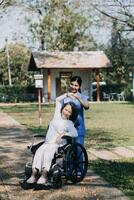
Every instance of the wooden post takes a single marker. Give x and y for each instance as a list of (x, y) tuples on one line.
[(39, 85), (97, 86), (133, 85), (48, 84), (39, 106), (8, 63)]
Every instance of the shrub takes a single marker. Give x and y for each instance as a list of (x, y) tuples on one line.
[(18, 93)]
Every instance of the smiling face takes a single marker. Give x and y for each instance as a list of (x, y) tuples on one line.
[(74, 86), (66, 112)]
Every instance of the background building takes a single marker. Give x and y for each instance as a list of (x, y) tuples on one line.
[(58, 67)]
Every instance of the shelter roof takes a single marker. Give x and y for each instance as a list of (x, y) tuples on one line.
[(71, 60)]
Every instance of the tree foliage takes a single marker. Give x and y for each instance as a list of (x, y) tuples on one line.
[(60, 28), (19, 57), (3, 69), (6, 3), (120, 52)]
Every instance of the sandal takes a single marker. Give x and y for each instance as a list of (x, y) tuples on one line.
[(31, 180), (42, 180)]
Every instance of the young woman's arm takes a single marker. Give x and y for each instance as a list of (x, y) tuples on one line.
[(83, 102)]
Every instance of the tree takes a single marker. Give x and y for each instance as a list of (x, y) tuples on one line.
[(19, 57), (3, 68), (120, 52), (6, 3), (120, 10), (60, 28), (1, 2)]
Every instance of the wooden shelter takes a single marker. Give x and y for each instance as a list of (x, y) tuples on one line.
[(57, 67)]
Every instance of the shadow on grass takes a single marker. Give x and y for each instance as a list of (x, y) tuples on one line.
[(38, 130), (26, 108), (100, 139), (128, 103), (119, 173)]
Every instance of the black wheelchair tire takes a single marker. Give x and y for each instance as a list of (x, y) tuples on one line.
[(75, 168), (28, 169)]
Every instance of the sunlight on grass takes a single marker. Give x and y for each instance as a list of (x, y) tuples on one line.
[(110, 125)]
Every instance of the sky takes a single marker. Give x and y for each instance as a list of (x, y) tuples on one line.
[(12, 25)]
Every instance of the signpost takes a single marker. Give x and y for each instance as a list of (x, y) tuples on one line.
[(133, 85), (39, 85), (132, 90)]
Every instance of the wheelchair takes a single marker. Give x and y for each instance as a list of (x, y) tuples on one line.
[(70, 163)]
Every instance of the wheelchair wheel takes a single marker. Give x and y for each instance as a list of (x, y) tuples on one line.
[(28, 169), (76, 163), (55, 176)]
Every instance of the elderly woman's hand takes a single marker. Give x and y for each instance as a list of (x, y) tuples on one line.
[(71, 95), (59, 137)]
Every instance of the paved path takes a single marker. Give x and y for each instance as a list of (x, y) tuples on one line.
[(111, 154), (13, 141)]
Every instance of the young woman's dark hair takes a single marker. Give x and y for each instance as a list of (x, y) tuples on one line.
[(78, 80), (74, 114)]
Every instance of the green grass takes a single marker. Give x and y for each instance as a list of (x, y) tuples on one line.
[(28, 116), (119, 173), (110, 125)]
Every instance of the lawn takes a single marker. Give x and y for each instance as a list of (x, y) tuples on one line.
[(108, 125)]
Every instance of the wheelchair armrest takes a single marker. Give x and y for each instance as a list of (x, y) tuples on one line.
[(34, 148), (34, 141), (39, 136), (68, 138)]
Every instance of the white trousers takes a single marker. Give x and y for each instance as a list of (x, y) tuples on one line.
[(44, 156)]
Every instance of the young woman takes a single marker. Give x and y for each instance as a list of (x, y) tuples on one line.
[(62, 124), (81, 102)]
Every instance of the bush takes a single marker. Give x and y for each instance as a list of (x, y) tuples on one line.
[(128, 94), (113, 88), (18, 93)]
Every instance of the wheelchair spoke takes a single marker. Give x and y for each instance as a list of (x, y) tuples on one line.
[(80, 170), (76, 163), (79, 154)]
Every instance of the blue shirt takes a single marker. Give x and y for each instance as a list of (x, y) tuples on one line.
[(80, 124)]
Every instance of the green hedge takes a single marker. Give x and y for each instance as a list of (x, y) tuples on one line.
[(18, 93), (114, 88)]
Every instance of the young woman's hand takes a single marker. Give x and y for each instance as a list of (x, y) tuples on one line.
[(84, 103), (71, 95)]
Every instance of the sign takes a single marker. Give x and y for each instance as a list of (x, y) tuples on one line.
[(100, 83), (38, 81), (38, 77)]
